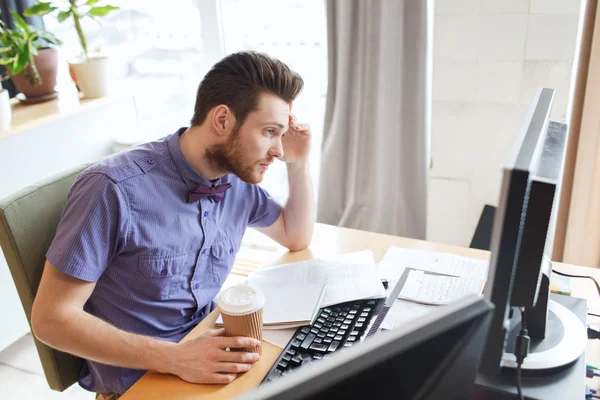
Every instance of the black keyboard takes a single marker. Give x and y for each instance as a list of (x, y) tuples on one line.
[(335, 328)]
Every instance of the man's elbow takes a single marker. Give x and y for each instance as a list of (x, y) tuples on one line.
[(41, 323), (297, 245)]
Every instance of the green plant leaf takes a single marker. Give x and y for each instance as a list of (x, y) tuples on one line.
[(40, 9), (91, 2), (101, 11), (63, 15), (21, 60), (20, 22)]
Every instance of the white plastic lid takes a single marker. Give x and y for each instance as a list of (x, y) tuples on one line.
[(241, 300)]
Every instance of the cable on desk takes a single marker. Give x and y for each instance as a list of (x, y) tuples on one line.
[(578, 276), (593, 315), (521, 350)]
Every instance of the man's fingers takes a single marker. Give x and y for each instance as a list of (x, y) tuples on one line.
[(216, 332), (220, 379), (237, 342), (234, 368), (238, 357)]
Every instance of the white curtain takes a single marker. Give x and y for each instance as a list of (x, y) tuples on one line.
[(375, 154)]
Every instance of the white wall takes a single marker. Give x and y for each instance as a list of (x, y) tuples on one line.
[(489, 57)]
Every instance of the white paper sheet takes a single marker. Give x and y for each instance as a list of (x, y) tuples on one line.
[(404, 312), (347, 277), (426, 288), (279, 337), (397, 259)]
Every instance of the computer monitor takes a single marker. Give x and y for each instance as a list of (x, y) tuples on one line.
[(522, 240), (435, 357)]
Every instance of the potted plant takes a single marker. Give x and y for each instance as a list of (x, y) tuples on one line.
[(90, 72), (30, 57)]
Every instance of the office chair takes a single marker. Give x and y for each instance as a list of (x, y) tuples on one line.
[(28, 222), (483, 233)]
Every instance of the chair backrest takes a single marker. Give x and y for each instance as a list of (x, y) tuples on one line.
[(28, 222)]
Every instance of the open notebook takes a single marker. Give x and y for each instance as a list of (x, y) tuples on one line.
[(295, 292)]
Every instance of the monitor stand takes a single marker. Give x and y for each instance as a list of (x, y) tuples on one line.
[(564, 342), (565, 381)]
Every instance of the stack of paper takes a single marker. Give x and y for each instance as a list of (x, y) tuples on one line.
[(432, 279), (295, 292)]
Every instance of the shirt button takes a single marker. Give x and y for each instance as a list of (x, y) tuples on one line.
[(205, 251), (231, 250), (163, 272), (206, 213), (150, 161), (196, 286)]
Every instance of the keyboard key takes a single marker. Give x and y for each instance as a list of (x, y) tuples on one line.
[(354, 333), (338, 337), (296, 360), (296, 343), (353, 311), (335, 314), (291, 352), (348, 321), (364, 314), (345, 309), (371, 302), (317, 356), (282, 365), (301, 336), (321, 320), (330, 334), (367, 309), (306, 329), (358, 325), (341, 332), (333, 346), (286, 358), (356, 307), (319, 347), (327, 340), (361, 319), (337, 324), (318, 340), (328, 324), (351, 338), (334, 329), (336, 309), (321, 334), (314, 331), (327, 310), (274, 375), (318, 326), (308, 341), (345, 326), (330, 319), (348, 344)]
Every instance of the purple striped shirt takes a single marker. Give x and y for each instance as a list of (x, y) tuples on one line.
[(158, 261)]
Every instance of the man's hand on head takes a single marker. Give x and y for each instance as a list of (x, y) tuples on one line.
[(206, 359), (296, 142)]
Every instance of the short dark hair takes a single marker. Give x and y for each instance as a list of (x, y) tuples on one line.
[(238, 80)]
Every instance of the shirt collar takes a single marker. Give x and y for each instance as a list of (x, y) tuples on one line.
[(191, 178)]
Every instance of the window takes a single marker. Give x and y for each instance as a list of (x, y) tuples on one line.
[(160, 51)]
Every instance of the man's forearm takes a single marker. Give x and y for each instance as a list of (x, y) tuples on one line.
[(89, 337), (299, 211)]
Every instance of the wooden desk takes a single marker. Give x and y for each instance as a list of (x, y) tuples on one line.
[(328, 240)]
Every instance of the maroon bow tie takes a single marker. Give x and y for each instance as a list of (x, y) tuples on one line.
[(216, 193)]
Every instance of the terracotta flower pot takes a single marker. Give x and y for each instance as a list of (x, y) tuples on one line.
[(47, 63)]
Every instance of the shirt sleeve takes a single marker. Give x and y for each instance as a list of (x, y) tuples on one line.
[(92, 229), (265, 209)]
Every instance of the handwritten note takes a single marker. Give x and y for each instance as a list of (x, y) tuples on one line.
[(436, 289)]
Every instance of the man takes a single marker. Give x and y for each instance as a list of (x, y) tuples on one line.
[(148, 236)]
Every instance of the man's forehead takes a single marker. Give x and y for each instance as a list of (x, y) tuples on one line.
[(274, 107)]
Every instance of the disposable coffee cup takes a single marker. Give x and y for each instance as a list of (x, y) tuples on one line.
[(242, 311)]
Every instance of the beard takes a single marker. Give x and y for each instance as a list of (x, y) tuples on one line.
[(231, 157)]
